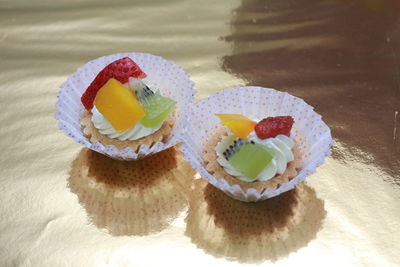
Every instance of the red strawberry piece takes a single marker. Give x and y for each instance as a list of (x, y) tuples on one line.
[(120, 70), (272, 126)]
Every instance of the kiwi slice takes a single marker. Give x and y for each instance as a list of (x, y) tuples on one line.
[(156, 106), (248, 157)]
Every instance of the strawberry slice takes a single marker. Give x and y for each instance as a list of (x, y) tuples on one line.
[(272, 126), (120, 70)]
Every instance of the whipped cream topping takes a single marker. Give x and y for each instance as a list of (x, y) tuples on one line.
[(133, 133), (280, 147)]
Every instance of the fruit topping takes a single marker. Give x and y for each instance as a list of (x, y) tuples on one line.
[(240, 125), (156, 106), (272, 126), (247, 157), (118, 104), (120, 70)]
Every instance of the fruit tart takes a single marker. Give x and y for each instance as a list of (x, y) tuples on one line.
[(253, 154), (123, 111), (254, 143), (129, 105)]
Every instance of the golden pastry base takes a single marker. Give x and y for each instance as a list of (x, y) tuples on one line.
[(131, 197), (252, 232)]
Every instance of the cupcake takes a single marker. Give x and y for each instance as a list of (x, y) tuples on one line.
[(126, 106), (255, 143)]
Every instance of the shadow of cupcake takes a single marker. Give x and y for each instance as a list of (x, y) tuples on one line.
[(253, 232), (131, 197)]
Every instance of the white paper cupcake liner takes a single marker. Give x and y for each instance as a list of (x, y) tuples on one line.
[(311, 134), (172, 80)]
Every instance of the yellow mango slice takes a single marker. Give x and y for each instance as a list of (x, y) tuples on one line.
[(119, 105), (240, 125)]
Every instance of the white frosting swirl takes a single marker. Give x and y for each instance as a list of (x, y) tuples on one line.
[(133, 133), (280, 147)]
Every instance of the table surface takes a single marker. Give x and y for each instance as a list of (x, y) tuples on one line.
[(340, 56)]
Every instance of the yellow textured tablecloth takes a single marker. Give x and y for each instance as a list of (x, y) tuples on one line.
[(341, 56)]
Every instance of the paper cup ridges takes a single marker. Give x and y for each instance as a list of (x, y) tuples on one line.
[(173, 81), (312, 135)]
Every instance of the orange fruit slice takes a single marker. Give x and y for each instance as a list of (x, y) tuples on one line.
[(240, 125), (119, 105)]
